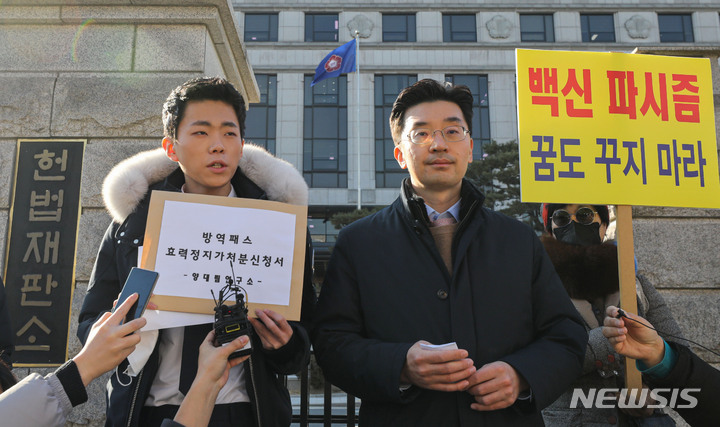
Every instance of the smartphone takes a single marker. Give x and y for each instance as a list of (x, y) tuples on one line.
[(143, 282)]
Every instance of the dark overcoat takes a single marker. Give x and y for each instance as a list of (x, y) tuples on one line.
[(387, 287)]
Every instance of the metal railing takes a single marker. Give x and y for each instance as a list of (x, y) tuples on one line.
[(327, 418)]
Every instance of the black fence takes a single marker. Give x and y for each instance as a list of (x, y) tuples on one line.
[(327, 418)]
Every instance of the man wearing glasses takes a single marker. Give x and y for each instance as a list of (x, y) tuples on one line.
[(437, 311)]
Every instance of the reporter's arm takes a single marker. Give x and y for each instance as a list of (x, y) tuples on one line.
[(213, 370), (47, 401), (37, 401), (630, 338), (109, 342)]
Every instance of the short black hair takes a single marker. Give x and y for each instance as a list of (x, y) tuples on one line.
[(201, 89), (429, 90), (602, 211)]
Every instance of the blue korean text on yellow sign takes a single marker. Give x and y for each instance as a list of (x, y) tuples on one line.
[(615, 128)]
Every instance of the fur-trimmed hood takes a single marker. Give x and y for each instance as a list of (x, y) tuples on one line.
[(128, 182), (587, 272)]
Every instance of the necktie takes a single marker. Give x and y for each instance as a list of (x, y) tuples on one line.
[(194, 336), (445, 218)]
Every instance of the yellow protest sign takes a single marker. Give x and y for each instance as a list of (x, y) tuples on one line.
[(615, 128)]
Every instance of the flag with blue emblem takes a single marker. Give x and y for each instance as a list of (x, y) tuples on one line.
[(339, 61)]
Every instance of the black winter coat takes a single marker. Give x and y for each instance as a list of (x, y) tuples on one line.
[(119, 253), (387, 287), (692, 372)]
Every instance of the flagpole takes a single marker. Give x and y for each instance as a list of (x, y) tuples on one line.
[(357, 110)]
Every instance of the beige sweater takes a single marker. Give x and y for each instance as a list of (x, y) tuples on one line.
[(443, 236)]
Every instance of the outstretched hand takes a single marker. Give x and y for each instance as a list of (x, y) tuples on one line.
[(213, 363), (631, 338), (212, 375), (109, 342)]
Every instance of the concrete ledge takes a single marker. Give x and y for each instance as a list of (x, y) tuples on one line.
[(216, 15), (28, 14), (88, 47)]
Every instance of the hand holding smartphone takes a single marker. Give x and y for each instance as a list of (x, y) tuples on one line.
[(143, 282)]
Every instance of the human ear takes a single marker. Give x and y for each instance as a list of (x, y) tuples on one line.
[(169, 146), (400, 157)]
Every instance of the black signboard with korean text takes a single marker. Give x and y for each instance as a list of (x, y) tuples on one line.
[(42, 239)]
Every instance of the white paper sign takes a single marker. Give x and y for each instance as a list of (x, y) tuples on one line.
[(198, 243)]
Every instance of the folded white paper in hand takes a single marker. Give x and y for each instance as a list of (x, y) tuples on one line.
[(446, 346)]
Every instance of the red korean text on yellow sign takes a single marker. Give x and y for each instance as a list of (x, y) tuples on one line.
[(615, 128)]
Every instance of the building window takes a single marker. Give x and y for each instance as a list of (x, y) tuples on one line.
[(537, 28), (261, 27), (321, 27), (675, 28), (324, 235), (388, 173), (597, 28), (398, 28), (459, 28), (478, 85), (325, 133), (321, 229), (260, 120)]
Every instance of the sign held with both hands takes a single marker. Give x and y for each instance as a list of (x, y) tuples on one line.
[(191, 240)]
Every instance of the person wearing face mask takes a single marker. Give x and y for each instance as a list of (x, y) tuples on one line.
[(588, 267)]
